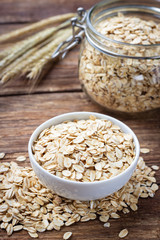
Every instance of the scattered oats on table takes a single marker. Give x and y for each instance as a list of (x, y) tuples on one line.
[(84, 150), (26, 204)]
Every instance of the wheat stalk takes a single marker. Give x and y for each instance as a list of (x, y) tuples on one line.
[(5, 52), (36, 79), (16, 47), (35, 26), (23, 57), (59, 37), (43, 65), (25, 63), (11, 70), (29, 43)]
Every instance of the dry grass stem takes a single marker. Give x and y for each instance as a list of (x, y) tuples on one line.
[(4, 53), (36, 70), (30, 43), (2, 155), (26, 45), (29, 63), (14, 69), (17, 45), (8, 50), (36, 26), (24, 62)]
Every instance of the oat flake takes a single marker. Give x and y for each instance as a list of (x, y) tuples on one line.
[(67, 235), (123, 233), (2, 155), (144, 150), (21, 158)]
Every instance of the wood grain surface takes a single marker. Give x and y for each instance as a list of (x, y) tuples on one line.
[(60, 92)]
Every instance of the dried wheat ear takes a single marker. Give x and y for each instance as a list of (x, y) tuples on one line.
[(32, 56)]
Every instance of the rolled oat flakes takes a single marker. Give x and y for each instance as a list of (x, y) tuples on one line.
[(26, 204), (2, 155), (67, 235), (123, 233), (84, 150), (121, 83), (21, 158)]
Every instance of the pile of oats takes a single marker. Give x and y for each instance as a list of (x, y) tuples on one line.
[(85, 150), (123, 84), (26, 204)]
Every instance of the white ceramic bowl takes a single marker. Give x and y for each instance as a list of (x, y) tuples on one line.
[(82, 190)]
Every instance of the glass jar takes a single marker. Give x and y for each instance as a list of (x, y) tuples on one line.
[(120, 76)]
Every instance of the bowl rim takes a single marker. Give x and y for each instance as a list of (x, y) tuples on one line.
[(50, 122)]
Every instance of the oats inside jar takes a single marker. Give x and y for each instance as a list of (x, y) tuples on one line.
[(128, 80), (130, 29), (84, 150)]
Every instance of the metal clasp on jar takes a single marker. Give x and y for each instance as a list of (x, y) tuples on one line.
[(78, 27)]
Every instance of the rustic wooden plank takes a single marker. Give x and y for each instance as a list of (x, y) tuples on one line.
[(30, 10), (16, 11), (5, 28), (20, 115)]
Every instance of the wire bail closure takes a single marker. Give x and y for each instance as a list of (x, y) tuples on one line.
[(77, 35)]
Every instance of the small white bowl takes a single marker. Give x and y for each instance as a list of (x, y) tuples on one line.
[(82, 190)]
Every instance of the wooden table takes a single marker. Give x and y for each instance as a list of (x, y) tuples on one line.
[(60, 92)]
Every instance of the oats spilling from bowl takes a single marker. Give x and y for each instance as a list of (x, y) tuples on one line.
[(26, 204), (84, 150), (118, 83)]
